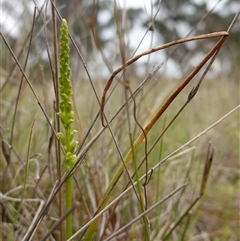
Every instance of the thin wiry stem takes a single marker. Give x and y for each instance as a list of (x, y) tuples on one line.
[(147, 211), (60, 221), (233, 21), (26, 168), (57, 141), (205, 175)]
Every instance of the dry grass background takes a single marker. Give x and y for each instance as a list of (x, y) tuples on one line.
[(215, 217), (217, 214)]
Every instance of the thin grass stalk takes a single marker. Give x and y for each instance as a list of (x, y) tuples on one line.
[(60, 221), (179, 220), (57, 141), (148, 210), (158, 190), (139, 185), (207, 166), (187, 224), (136, 168), (26, 166)]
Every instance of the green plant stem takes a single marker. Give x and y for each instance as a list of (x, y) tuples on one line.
[(139, 184), (68, 192), (68, 205), (26, 165), (66, 115)]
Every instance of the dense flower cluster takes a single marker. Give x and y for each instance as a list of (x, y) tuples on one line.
[(66, 114)]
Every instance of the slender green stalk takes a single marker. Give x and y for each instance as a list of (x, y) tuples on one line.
[(66, 116), (68, 205), (139, 184)]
